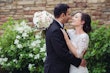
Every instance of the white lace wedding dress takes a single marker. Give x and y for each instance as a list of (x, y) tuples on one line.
[(81, 43)]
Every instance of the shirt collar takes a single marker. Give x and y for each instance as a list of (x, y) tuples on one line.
[(60, 23)]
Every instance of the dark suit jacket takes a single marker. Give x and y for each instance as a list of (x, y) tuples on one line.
[(58, 58)]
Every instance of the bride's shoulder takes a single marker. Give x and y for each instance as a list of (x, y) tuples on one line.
[(84, 36)]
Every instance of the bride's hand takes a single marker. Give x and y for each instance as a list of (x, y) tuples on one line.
[(65, 34)]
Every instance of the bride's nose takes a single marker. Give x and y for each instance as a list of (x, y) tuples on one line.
[(72, 18)]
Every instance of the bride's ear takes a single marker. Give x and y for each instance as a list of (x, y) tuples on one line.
[(83, 22)]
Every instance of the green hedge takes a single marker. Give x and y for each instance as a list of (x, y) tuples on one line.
[(22, 48), (98, 53)]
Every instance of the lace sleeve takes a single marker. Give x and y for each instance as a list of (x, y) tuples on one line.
[(82, 45)]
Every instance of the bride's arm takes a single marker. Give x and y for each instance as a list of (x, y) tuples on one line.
[(69, 44)]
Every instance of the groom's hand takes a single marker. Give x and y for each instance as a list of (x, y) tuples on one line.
[(83, 63)]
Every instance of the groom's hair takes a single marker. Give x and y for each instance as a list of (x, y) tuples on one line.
[(59, 9)]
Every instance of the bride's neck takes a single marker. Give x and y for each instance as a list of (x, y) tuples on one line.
[(79, 30)]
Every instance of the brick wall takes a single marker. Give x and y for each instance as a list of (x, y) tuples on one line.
[(18, 9)]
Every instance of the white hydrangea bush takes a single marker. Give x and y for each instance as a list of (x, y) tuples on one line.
[(21, 47)]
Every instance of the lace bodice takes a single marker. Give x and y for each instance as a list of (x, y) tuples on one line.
[(79, 41)]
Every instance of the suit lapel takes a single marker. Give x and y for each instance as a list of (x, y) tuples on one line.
[(67, 33)]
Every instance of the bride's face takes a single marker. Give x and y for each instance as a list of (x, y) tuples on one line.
[(76, 20)]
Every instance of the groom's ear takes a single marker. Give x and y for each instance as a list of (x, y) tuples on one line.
[(62, 15)]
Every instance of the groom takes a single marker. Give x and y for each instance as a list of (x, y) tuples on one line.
[(59, 58)]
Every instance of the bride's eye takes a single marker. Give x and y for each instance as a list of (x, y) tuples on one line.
[(76, 17)]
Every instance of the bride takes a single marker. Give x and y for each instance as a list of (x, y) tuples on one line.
[(79, 39)]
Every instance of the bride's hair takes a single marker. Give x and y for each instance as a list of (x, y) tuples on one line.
[(87, 25)]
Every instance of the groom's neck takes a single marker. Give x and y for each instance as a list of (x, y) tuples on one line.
[(59, 20)]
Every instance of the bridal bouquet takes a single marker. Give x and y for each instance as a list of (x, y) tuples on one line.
[(42, 19)]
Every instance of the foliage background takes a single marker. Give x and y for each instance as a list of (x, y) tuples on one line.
[(22, 48), (97, 56), (98, 53)]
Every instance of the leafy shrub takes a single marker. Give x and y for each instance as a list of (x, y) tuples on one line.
[(98, 54), (21, 49)]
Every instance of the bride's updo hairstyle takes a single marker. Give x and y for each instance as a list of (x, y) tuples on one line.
[(87, 25)]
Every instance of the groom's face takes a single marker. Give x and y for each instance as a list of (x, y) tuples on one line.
[(67, 16)]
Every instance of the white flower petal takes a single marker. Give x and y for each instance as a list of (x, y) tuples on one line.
[(16, 41), (19, 46)]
